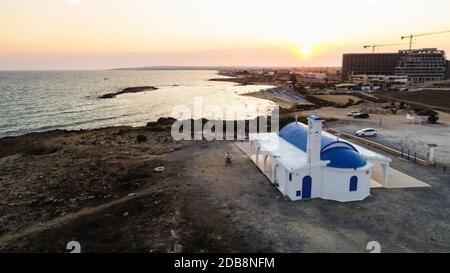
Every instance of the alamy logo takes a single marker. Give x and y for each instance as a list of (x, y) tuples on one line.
[(223, 123), (74, 247), (374, 247)]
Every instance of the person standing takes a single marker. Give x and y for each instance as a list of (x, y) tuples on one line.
[(228, 161)]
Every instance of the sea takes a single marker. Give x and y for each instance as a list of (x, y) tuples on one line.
[(37, 101)]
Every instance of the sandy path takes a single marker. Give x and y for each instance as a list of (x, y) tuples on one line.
[(63, 220)]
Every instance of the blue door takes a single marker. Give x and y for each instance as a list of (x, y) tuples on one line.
[(306, 187)]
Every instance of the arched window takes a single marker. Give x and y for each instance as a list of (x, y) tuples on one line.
[(354, 183)]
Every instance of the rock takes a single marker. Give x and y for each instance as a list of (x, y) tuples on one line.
[(41, 149), (49, 200), (177, 248), (141, 138), (162, 121), (174, 234), (128, 90), (108, 219), (108, 96), (159, 169)]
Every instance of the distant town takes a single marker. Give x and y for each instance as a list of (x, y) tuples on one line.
[(402, 70)]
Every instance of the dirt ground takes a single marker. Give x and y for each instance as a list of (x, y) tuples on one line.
[(339, 99), (100, 188), (395, 130), (401, 220), (439, 99)]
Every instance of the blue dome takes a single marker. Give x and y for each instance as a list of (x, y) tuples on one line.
[(341, 155)]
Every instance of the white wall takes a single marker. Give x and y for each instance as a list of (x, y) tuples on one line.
[(337, 183), (327, 183), (293, 186), (280, 176)]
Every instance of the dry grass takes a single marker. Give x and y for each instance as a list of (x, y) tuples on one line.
[(338, 99), (438, 99)]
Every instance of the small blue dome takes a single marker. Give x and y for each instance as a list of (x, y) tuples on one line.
[(314, 117), (343, 158), (341, 155)]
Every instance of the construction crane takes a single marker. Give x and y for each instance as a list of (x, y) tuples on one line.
[(377, 46), (412, 36)]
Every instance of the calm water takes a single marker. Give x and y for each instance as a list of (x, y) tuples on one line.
[(47, 100)]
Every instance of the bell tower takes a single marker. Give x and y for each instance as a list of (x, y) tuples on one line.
[(314, 139)]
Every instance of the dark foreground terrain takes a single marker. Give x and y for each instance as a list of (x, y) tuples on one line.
[(101, 189)]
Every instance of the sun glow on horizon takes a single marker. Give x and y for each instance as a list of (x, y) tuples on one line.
[(307, 50), (53, 34)]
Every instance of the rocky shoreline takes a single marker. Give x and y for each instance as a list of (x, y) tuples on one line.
[(104, 187), (118, 189), (137, 89)]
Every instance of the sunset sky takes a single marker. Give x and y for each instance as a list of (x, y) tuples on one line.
[(99, 34)]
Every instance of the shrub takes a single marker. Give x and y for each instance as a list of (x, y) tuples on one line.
[(141, 138), (433, 116), (433, 119), (41, 149)]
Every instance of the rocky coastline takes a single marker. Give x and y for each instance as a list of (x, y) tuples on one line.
[(137, 89)]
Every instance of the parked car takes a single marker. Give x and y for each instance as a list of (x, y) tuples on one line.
[(361, 115), (352, 113), (368, 132)]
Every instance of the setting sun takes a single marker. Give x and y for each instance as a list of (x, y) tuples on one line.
[(102, 34), (307, 51)]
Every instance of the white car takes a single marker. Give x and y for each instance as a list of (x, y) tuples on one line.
[(368, 132), (352, 114)]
